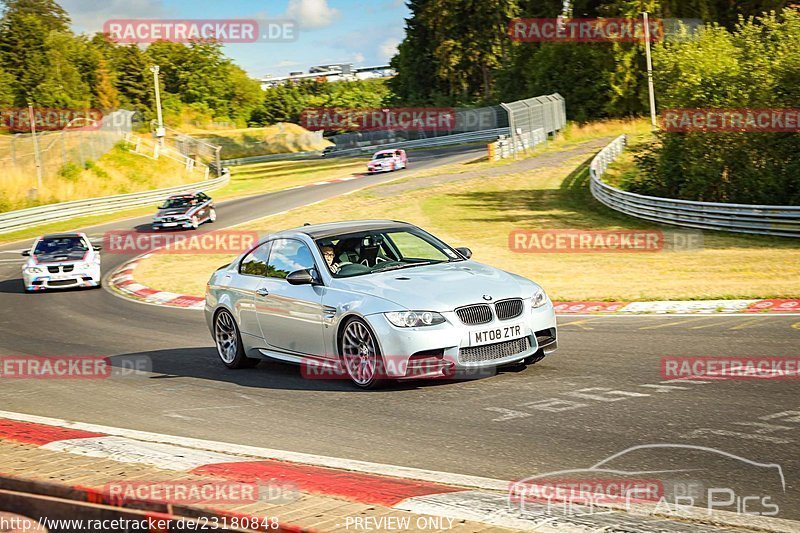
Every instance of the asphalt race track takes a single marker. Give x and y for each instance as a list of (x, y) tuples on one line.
[(600, 394)]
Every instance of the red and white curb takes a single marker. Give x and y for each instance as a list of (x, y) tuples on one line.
[(681, 307), (424, 492), (123, 281)]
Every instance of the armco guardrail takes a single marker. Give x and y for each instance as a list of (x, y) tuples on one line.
[(14, 220), (779, 220), (431, 142)]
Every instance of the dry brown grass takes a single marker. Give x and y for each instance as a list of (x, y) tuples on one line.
[(480, 213)]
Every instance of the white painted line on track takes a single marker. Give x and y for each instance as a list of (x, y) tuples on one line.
[(124, 450), (267, 453)]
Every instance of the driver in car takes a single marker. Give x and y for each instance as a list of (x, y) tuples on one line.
[(330, 258)]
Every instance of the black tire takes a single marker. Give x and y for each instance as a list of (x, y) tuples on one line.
[(354, 330), (228, 342)]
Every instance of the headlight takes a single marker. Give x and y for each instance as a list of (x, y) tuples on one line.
[(34, 270), (539, 299), (413, 319)]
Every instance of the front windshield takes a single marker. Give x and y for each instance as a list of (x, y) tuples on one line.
[(386, 155), (173, 203), (68, 246), (357, 254)]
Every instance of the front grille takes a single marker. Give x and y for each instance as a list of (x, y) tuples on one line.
[(60, 282), (491, 352), (53, 269), (508, 309), (68, 268), (475, 314)]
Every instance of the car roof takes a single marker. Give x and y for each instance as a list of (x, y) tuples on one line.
[(330, 229), (61, 235), (190, 194), (393, 150)]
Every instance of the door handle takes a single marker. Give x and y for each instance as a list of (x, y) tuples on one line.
[(262, 292)]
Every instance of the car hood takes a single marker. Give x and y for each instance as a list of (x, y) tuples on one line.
[(441, 287), (59, 257), (171, 212)]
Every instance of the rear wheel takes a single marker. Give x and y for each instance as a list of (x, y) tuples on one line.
[(195, 222), (229, 342), (360, 355), (212, 216)]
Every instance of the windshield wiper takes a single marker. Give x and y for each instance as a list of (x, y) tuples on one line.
[(405, 265)]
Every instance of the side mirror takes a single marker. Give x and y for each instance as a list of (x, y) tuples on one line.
[(302, 277), (26, 253), (97, 247), (466, 252)]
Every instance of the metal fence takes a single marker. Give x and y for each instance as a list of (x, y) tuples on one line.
[(15, 220), (508, 146), (18, 153), (466, 120), (779, 220), (525, 117)]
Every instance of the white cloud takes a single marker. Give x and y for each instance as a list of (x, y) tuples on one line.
[(311, 13), (388, 48), (286, 63), (358, 57)]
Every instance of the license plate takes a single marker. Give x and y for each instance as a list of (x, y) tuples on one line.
[(506, 332)]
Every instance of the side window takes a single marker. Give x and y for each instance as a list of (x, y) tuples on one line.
[(255, 263), (287, 256)]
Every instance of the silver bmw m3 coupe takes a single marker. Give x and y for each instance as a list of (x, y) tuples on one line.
[(375, 300)]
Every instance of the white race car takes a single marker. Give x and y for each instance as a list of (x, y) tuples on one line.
[(61, 261), (387, 161)]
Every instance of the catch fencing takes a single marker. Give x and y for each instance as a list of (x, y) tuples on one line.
[(778, 220), (530, 121), (19, 154)]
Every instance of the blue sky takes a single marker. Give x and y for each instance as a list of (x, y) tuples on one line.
[(363, 32)]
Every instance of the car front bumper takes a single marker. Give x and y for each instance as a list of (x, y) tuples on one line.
[(444, 350), (46, 281), (178, 224)]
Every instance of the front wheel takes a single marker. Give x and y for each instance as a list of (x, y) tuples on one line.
[(360, 355), (229, 342)]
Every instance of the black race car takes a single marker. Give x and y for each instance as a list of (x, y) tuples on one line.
[(186, 211)]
